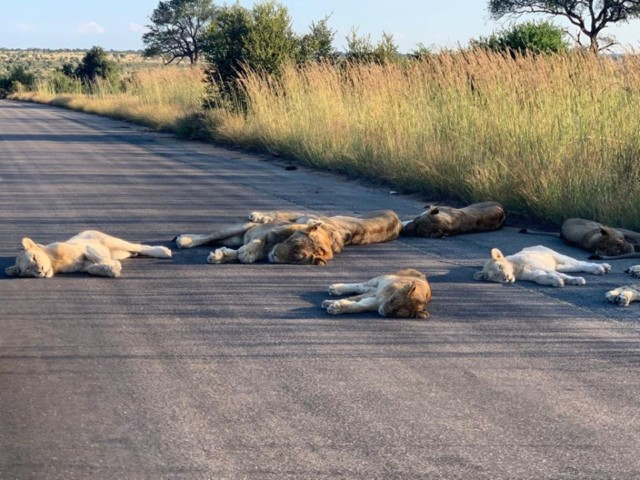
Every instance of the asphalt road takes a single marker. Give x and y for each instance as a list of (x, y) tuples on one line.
[(184, 370)]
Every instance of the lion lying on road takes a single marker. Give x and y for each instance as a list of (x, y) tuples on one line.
[(402, 294), (628, 293), (90, 251), (537, 264), (294, 237), (438, 222), (604, 242)]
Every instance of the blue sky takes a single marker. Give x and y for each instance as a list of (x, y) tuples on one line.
[(119, 24)]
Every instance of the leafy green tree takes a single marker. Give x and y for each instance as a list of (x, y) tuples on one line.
[(17, 77), (271, 41), (360, 48), (96, 64), (589, 16), (177, 28), (317, 45), (528, 37)]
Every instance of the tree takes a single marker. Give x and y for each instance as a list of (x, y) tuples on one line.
[(177, 28), (95, 64), (527, 37), (590, 16), (271, 41), (318, 43), (238, 39)]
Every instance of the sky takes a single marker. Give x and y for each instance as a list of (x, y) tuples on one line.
[(119, 24)]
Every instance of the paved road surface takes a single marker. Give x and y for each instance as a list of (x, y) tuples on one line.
[(183, 370)]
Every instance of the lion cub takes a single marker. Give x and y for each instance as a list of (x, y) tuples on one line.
[(402, 294), (537, 264), (90, 251)]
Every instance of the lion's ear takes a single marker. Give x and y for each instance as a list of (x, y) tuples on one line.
[(318, 261), (479, 276), (434, 211), (496, 254), (313, 224), (12, 271), (29, 244), (604, 231)]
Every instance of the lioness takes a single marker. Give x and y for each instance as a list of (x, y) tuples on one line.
[(294, 237), (606, 243), (438, 222), (90, 251), (402, 294), (537, 264)]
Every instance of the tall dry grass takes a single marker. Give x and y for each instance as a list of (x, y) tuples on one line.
[(554, 136), (161, 98)]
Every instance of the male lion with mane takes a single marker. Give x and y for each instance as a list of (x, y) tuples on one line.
[(90, 251), (294, 237), (537, 264), (403, 294), (440, 221)]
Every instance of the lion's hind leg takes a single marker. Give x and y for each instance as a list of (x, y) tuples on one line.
[(100, 262), (228, 235), (624, 295)]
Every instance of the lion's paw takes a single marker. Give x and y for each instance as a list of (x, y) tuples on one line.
[(217, 256), (335, 307), (579, 281), (261, 217), (604, 269), (634, 270), (116, 269), (619, 297), (335, 289), (326, 303), (184, 241)]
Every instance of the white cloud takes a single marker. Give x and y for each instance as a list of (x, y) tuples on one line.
[(26, 27), (90, 27), (136, 27)]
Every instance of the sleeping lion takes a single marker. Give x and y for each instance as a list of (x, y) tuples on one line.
[(628, 293), (90, 251), (438, 222), (537, 264), (294, 237), (402, 294), (606, 243)]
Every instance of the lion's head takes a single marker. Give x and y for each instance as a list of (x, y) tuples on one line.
[(311, 246), (428, 224), (498, 269), (33, 262), (408, 301), (610, 242)]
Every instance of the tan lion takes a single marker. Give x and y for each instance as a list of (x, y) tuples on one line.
[(403, 294), (294, 237), (628, 293), (537, 264), (606, 243), (90, 251), (438, 222)]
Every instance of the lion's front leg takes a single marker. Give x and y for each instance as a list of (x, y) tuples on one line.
[(223, 255), (543, 277), (357, 304), (344, 288), (252, 252), (268, 217), (623, 296), (112, 269)]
